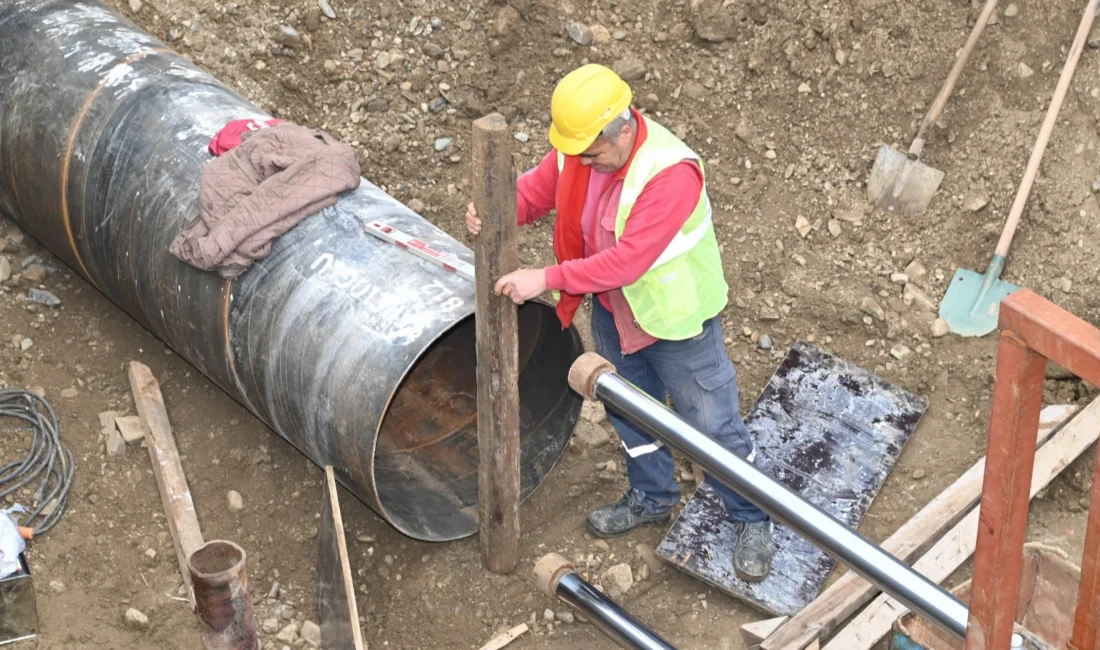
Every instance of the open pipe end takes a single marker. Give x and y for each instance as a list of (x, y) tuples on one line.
[(585, 371), (549, 570)]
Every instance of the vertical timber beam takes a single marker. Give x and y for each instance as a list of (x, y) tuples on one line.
[(1086, 624), (495, 254), (1002, 523)]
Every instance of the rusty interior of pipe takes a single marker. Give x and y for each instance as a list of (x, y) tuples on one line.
[(426, 457)]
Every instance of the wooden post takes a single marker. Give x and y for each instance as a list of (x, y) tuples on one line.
[(493, 181), (183, 523), (1002, 522)]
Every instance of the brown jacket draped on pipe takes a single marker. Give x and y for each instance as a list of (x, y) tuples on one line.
[(277, 177)]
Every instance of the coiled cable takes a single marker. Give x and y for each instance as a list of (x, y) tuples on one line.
[(49, 462)]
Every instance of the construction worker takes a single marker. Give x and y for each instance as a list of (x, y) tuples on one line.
[(634, 228)]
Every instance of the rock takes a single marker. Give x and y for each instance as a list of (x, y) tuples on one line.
[(648, 556), (57, 586), (566, 616), (916, 272), (331, 67), (116, 446), (899, 352), (899, 278), (976, 201), (602, 545), (417, 206), (288, 634), (107, 419), (694, 90), (504, 27), (593, 411), (236, 501), (25, 344), (581, 34), (765, 342), (271, 625), (918, 474), (136, 620), (1065, 284), (1011, 10), (804, 88), (834, 227), (326, 9), (756, 62), (288, 36), (630, 69), (16, 340), (443, 144), (939, 328), (436, 22), (770, 154), (1024, 71), (649, 102), (768, 313), (872, 308), (34, 274), (913, 295), (618, 580), (712, 21), (591, 435), (548, 615), (136, 5), (69, 393), (43, 297), (27, 261), (5, 269), (129, 427), (841, 57), (601, 34), (311, 632), (802, 225), (274, 592), (521, 136)]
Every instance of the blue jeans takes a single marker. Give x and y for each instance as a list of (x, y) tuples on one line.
[(702, 382)]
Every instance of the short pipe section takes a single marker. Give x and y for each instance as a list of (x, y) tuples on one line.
[(557, 578), (223, 604)]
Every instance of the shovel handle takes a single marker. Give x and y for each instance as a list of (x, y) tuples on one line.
[(1048, 125), (948, 87)]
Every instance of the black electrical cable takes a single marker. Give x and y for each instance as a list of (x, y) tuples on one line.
[(48, 461)]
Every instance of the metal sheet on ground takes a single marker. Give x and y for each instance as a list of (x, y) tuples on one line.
[(335, 592), (831, 432)]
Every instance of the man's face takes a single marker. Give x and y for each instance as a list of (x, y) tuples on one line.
[(608, 155)]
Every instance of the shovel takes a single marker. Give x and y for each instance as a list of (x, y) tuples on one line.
[(900, 182), (973, 301)]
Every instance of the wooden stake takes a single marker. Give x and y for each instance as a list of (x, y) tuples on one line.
[(493, 181), (183, 523), (504, 638)]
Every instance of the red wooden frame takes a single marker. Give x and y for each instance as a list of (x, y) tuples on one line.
[(1033, 330)]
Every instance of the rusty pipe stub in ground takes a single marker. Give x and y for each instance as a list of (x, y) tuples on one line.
[(219, 577), (358, 353)]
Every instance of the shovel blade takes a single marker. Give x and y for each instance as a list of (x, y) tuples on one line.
[(901, 185), (967, 310)]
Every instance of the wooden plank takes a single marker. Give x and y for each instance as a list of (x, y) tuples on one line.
[(1010, 457), (1086, 623), (755, 632), (179, 509), (1053, 332), (493, 183), (335, 590), (948, 554), (504, 638), (850, 592), (828, 430)]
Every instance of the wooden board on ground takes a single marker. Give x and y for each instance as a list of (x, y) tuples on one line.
[(842, 598), (755, 632), (504, 638), (334, 588), (831, 432), (948, 554), (183, 522)]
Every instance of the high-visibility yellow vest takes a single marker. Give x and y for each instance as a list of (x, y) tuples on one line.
[(685, 286)]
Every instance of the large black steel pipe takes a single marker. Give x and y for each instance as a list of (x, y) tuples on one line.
[(358, 353), (595, 378), (557, 578)]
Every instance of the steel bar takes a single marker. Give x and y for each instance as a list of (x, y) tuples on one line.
[(557, 578), (594, 377), (354, 350)]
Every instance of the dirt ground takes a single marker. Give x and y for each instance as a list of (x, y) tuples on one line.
[(787, 103)]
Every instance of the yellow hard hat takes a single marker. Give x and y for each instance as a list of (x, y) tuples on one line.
[(585, 101)]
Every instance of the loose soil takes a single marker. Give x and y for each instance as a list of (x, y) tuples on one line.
[(787, 111)]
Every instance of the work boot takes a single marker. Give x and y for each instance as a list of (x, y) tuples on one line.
[(617, 518), (752, 556)]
